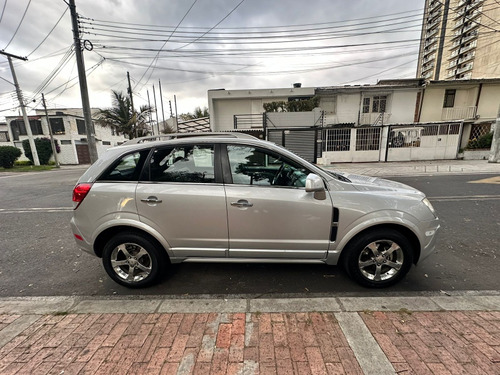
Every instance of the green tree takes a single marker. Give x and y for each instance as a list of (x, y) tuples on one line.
[(198, 113), (302, 105), (43, 148), (120, 117)]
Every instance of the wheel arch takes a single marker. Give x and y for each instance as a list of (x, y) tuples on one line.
[(110, 232), (405, 231)]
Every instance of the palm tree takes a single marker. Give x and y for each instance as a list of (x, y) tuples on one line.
[(121, 118)]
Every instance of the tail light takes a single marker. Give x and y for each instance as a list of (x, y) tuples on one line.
[(80, 192)]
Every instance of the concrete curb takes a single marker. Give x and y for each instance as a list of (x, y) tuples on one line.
[(480, 301)]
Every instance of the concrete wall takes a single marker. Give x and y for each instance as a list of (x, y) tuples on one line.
[(224, 104)]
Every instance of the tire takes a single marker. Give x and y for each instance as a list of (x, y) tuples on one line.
[(378, 259), (133, 260)]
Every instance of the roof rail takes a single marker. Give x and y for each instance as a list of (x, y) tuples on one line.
[(167, 137)]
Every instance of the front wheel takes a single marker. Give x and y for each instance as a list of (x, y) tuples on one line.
[(379, 259), (133, 260)]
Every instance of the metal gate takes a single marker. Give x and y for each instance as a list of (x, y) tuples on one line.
[(301, 141), (423, 142)]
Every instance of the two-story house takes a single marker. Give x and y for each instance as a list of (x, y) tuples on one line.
[(68, 128)]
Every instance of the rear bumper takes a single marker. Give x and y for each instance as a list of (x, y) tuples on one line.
[(80, 239)]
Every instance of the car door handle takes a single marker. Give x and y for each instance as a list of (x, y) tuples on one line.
[(151, 200), (242, 203)]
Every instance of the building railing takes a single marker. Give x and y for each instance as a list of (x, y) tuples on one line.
[(249, 121), (458, 113)]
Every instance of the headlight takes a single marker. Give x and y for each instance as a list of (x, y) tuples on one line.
[(429, 206)]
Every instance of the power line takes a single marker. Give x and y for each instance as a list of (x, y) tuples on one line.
[(3, 10), (267, 27), (50, 32), (18, 26), (155, 59)]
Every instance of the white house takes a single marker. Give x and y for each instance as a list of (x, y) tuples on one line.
[(68, 128)]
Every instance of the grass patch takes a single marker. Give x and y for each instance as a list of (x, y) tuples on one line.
[(28, 168)]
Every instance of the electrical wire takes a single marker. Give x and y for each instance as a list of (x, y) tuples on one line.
[(18, 26), (3, 10), (155, 60), (50, 32)]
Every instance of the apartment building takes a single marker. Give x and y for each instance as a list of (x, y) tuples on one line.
[(460, 40)]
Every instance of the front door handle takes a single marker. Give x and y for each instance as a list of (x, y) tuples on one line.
[(242, 203), (151, 200)]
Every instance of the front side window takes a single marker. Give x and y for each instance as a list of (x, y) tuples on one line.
[(253, 166), (128, 168), (192, 163)]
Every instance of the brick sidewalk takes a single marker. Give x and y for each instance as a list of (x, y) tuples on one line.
[(250, 343)]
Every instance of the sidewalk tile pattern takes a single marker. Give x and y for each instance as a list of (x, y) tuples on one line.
[(211, 343), (452, 342)]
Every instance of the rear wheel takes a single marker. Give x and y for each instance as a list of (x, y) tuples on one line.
[(133, 260), (379, 259)]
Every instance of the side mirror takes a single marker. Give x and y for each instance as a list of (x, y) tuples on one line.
[(314, 183)]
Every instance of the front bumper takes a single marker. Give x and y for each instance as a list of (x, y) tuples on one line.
[(429, 243)]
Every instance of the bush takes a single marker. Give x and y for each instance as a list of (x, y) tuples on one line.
[(483, 142), (43, 148), (23, 163), (8, 155)]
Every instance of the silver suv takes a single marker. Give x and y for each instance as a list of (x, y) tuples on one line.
[(234, 198)]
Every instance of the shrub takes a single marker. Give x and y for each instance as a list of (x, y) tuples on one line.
[(483, 142), (43, 148), (23, 163), (8, 155)]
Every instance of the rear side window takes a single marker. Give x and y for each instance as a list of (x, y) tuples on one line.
[(190, 163), (128, 168)]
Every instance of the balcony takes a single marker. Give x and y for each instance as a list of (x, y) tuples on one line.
[(473, 25), (430, 42), (428, 58), (434, 5), (458, 113), (371, 118), (432, 32), (428, 67), (468, 46), (452, 64), (465, 68), (467, 57)]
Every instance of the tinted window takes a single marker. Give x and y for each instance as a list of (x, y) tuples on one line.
[(127, 168), (253, 166), (193, 163)]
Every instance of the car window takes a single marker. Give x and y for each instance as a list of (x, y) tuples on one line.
[(254, 166), (127, 168), (191, 163)]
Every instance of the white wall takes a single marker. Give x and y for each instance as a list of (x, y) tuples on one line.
[(224, 104)]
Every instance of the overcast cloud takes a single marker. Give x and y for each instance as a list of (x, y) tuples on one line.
[(261, 44)]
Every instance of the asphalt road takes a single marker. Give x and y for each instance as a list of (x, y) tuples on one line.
[(39, 257)]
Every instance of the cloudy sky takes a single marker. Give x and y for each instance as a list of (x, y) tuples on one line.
[(192, 46)]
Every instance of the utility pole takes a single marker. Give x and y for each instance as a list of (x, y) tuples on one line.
[(495, 143), (87, 115), (132, 104), (156, 110), (21, 104), (150, 118), (176, 117), (161, 101), (54, 151)]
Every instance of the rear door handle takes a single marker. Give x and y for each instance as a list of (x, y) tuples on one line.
[(242, 203), (151, 200)]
